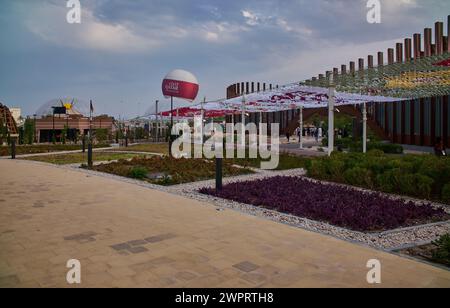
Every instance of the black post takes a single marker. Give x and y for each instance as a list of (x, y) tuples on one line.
[(53, 132), (13, 148), (219, 174), (171, 125), (90, 164), (126, 140)]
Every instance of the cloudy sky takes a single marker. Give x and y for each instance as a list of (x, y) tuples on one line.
[(122, 49)]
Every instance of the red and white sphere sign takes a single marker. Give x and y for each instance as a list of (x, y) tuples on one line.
[(180, 84)]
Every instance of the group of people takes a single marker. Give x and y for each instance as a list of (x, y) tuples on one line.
[(307, 132)]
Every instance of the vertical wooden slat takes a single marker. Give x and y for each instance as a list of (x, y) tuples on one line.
[(394, 122), (399, 52), (408, 49), (427, 41), (439, 33), (391, 56), (417, 45), (403, 123), (422, 121), (433, 120), (380, 59), (412, 123), (445, 120)]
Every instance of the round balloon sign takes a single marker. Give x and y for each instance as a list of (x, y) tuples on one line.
[(180, 84)]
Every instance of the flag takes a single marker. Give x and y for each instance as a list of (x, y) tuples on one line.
[(92, 107)]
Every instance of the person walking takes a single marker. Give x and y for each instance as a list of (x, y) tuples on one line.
[(298, 133), (288, 136), (439, 148)]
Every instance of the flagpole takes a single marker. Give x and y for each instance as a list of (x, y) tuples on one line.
[(90, 163)]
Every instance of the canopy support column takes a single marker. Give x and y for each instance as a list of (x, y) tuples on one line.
[(203, 119), (331, 101), (364, 114), (243, 116)]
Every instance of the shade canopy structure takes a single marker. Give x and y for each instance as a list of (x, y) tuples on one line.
[(415, 78), (293, 96)]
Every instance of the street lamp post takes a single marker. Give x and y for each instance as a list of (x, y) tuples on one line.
[(171, 125), (35, 130)]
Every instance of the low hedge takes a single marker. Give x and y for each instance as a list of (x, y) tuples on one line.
[(418, 176), (356, 146)]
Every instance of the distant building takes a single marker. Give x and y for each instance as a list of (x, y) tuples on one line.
[(76, 120), (77, 125)]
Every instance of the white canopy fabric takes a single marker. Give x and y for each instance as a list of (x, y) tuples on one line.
[(287, 97), (296, 96)]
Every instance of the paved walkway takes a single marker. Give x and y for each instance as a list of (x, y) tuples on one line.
[(126, 236)]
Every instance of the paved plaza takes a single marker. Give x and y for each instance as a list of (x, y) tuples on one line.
[(130, 236)]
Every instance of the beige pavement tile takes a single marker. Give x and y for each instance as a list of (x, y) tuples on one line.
[(177, 242)]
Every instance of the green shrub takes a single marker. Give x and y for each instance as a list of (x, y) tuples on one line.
[(384, 182), (335, 168), (446, 193), (359, 177), (138, 172), (424, 186), (387, 148), (442, 253)]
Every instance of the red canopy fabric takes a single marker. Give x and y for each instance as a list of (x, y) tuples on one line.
[(444, 63), (190, 112)]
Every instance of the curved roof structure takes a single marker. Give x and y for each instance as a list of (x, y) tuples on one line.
[(74, 106)]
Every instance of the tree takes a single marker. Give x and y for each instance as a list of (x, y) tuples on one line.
[(29, 131), (64, 134), (101, 134)]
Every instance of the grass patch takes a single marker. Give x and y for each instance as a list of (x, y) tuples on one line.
[(160, 148), (287, 162), (45, 148), (169, 171), (75, 158)]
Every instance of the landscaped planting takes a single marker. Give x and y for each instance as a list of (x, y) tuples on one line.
[(287, 161), (334, 204), (160, 148), (167, 170), (74, 158), (418, 176), (437, 252), (44, 148)]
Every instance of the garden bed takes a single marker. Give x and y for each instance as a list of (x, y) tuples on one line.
[(286, 162), (44, 148), (168, 171), (75, 158), (337, 205), (418, 176)]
